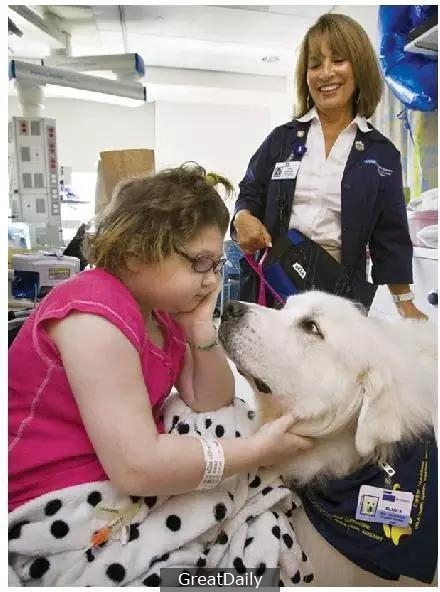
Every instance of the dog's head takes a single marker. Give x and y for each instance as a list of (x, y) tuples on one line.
[(320, 356)]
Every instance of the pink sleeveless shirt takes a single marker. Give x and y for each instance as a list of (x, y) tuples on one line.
[(48, 445)]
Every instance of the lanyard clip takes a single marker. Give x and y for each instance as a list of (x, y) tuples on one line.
[(388, 470)]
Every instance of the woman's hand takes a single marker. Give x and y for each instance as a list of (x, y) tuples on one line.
[(274, 443), (408, 310), (251, 233)]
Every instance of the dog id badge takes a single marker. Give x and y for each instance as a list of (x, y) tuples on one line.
[(285, 170), (385, 506)]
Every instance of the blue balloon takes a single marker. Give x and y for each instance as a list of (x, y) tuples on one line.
[(412, 77)]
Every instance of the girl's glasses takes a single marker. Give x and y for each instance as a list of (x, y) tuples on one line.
[(203, 263)]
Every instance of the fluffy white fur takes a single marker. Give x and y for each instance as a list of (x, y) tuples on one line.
[(356, 384)]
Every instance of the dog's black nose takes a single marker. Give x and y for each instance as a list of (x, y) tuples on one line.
[(233, 309)]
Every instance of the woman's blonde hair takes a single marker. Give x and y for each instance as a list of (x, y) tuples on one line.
[(348, 40), (153, 216)]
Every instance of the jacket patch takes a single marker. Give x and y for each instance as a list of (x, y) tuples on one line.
[(383, 172)]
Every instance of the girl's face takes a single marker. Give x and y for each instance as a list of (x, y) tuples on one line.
[(173, 285), (330, 79)]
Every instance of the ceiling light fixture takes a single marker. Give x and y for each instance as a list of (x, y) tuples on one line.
[(36, 75)]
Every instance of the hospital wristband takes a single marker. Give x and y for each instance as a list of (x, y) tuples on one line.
[(214, 463)]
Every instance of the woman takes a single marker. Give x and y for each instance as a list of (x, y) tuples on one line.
[(328, 172)]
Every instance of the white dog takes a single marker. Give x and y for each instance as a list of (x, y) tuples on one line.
[(356, 385)]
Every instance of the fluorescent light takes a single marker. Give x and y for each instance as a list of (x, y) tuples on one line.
[(42, 75), (128, 64), (56, 92)]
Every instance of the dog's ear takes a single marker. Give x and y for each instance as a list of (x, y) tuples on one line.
[(380, 420)]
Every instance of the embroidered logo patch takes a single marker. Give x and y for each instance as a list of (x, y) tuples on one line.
[(299, 270), (383, 172)]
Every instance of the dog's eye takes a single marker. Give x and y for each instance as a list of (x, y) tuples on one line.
[(309, 326)]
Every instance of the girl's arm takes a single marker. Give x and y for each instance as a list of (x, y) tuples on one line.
[(105, 375), (206, 382)]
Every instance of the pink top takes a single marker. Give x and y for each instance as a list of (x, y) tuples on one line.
[(48, 445)]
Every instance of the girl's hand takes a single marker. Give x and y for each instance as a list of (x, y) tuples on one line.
[(251, 233), (204, 311), (275, 444)]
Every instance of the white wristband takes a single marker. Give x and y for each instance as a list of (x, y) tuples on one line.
[(403, 297), (214, 463)]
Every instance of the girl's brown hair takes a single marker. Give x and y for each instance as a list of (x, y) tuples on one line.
[(153, 216), (348, 40)]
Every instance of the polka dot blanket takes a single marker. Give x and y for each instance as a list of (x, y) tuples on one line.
[(243, 523)]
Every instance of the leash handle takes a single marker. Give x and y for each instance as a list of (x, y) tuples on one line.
[(258, 268)]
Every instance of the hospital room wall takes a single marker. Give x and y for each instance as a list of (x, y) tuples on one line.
[(219, 137), (84, 128)]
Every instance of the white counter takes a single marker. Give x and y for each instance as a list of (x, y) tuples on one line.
[(424, 253)]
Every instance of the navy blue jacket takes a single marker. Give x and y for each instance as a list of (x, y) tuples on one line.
[(373, 209)]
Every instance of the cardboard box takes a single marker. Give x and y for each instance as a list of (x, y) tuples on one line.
[(116, 165)]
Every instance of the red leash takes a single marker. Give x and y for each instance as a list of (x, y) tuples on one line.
[(258, 268)]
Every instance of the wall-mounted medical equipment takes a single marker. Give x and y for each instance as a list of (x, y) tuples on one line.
[(33, 162), (33, 179)]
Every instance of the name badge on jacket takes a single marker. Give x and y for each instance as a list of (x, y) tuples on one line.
[(286, 170)]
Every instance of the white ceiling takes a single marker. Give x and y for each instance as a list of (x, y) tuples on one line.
[(221, 38)]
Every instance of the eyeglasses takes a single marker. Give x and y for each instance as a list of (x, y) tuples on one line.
[(203, 263)]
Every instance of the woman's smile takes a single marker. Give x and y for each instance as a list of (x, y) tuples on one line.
[(329, 89)]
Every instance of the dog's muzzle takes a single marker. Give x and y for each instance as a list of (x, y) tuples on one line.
[(233, 313), (233, 310)]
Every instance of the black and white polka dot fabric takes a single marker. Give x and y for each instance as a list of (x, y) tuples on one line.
[(243, 523)]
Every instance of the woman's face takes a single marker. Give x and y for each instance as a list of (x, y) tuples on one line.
[(172, 285), (330, 79)]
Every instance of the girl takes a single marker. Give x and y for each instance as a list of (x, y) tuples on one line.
[(93, 364)]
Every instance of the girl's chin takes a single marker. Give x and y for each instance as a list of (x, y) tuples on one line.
[(189, 307)]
